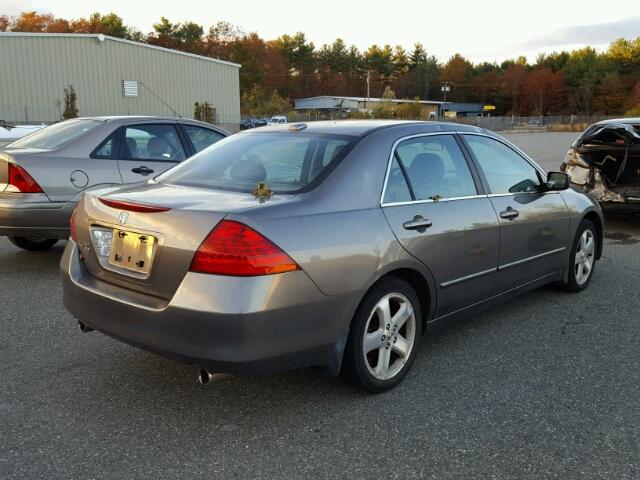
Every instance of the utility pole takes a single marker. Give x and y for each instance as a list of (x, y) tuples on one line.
[(368, 87), (368, 72), (540, 93), (444, 89)]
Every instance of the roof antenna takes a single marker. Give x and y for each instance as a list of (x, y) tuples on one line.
[(161, 101)]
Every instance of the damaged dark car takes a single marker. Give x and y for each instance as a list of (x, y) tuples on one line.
[(604, 162)]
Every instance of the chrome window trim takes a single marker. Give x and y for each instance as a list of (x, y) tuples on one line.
[(429, 200), (393, 151)]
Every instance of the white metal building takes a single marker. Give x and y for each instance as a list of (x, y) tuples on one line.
[(111, 76)]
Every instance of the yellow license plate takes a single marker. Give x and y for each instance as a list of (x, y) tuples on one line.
[(133, 251)]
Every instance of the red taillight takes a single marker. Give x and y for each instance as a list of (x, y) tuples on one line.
[(233, 248), (72, 225), (20, 181), (133, 206)]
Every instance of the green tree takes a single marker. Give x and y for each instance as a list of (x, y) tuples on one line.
[(385, 108), (204, 112), (261, 102), (70, 103), (424, 73)]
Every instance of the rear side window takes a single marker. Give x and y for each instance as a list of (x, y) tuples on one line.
[(397, 189), (152, 142), (106, 148), (435, 167), (505, 170), (286, 162), (54, 136), (200, 137)]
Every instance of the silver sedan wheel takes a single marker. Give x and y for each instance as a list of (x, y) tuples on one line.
[(389, 336), (585, 256)]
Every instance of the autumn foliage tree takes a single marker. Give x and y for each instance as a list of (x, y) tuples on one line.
[(583, 81)]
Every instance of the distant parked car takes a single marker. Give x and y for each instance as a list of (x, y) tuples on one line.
[(43, 174), (11, 133), (605, 162), (331, 245), (277, 120), (247, 122)]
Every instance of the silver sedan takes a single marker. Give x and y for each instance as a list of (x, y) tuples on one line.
[(334, 245), (43, 174)]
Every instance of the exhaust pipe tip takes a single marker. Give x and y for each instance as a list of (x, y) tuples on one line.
[(205, 377), (84, 328)]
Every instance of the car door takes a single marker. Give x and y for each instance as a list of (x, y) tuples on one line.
[(200, 137), (146, 150), (434, 203), (534, 223)]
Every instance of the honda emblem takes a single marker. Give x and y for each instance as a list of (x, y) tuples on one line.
[(123, 217)]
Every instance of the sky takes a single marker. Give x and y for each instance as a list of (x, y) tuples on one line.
[(487, 30)]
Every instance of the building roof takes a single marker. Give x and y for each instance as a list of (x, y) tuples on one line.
[(371, 99), (100, 38)]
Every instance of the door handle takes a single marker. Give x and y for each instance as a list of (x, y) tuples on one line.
[(142, 170), (509, 213), (417, 223)]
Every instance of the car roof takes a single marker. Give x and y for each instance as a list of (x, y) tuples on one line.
[(140, 118), (151, 118), (360, 127), (628, 120)]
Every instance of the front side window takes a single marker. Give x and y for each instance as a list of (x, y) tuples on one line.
[(200, 137), (286, 162), (505, 170), (54, 136), (436, 167), (152, 142)]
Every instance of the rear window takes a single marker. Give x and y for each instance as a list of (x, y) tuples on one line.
[(286, 162), (54, 136)]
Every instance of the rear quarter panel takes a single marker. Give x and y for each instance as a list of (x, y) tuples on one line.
[(338, 233)]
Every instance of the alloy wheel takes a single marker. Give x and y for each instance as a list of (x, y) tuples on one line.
[(389, 336), (585, 256)]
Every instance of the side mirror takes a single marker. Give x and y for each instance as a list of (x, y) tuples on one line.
[(557, 181)]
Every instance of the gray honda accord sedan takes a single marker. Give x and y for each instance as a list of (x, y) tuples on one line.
[(43, 174), (334, 245)]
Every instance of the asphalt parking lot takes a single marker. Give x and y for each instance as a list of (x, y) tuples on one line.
[(546, 386)]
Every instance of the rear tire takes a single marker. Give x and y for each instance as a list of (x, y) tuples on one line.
[(582, 260), (33, 244), (384, 336)]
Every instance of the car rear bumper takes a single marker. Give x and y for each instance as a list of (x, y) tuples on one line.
[(223, 324), (32, 215)]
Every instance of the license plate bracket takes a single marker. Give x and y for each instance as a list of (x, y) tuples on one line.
[(132, 251)]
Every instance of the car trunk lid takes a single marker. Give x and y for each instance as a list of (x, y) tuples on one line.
[(165, 240)]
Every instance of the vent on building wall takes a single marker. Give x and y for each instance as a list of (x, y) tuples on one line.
[(130, 88)]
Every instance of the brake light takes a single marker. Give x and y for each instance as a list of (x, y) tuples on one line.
[(72, 224), (233, 248), (133, 206), (20, 181)]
